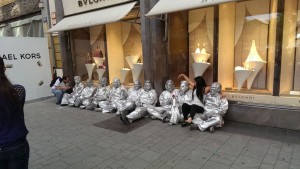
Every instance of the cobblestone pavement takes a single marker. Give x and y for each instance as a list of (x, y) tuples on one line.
[(64, 137)]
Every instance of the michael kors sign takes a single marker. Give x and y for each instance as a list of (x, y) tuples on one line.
[(78, 6)]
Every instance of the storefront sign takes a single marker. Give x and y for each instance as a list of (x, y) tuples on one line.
[(78, 6), (263, 99), (27, 62)]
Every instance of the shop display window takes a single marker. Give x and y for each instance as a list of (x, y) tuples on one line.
[(290, 62), (110, 50)]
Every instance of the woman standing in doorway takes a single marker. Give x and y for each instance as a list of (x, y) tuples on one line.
[(197, 105), (14, 148)]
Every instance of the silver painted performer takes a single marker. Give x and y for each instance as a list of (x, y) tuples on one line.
[(102, 94), (215, 108), (117, 94), (148, 98), (165, 100), (86, 95), (69, 99), (128, 105), (184, 96)]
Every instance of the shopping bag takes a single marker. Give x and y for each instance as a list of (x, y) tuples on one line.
[(175, 115)]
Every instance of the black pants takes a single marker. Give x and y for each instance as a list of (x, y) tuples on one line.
[(14, 155), (191, 110)]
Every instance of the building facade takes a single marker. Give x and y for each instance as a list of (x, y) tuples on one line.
[(251, 47)]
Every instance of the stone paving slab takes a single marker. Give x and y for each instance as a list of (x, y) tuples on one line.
[(65, 137)]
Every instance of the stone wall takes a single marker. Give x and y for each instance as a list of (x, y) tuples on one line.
[(18, 8)]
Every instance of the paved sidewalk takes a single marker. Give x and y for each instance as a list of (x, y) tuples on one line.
[(64, 137)]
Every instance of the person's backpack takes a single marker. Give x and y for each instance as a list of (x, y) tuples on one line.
[(54, 80)]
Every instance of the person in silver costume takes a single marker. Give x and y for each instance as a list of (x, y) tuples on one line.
[(165, 100), (148, 98), (117, 94), (86, 95), (69, 99), (102, 93), (128, 105), (184, 96), (215, 108)]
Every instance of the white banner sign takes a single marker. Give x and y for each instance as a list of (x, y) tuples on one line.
[(78, 6), (28, 64)]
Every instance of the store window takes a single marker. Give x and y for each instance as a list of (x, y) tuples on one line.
[(290, 62), (110, 50), (252, 25)]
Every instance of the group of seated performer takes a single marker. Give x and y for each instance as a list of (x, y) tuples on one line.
[(146, 99), (199, 106)]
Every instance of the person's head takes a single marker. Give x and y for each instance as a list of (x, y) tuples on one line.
[(89, 82), (147, 85), (137, 85), (77, 79), (199, 87), (215, 88), (184, 86), (103, 82), (169, 85), (6, 88), (116, 82), (66, 79)]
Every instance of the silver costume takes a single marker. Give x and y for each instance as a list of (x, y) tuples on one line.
[(102, 93), (117, 94), (184, 96), (86, 95), (165, 100), (126, 106), (215, 109), (148, 98), (69, 99)]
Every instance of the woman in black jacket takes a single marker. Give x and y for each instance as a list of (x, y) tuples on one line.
[(14, 148)]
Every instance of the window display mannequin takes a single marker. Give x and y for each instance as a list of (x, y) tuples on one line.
[(118, 93), (86, 95), (128, 105), (148, 98), (165, 100), (102, 93), (215, 108), (69, 99)]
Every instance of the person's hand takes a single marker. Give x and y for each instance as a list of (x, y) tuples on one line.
[(181, 75)]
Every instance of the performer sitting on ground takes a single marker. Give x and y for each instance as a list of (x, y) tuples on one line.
[(148, 98), (128, 105), (69, 99), (117, 94), (215, 108), (184, 96), (165, 100), (101, 94), (86, 95)]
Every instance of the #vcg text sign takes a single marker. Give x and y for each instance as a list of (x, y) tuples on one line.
[(77, 6)]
